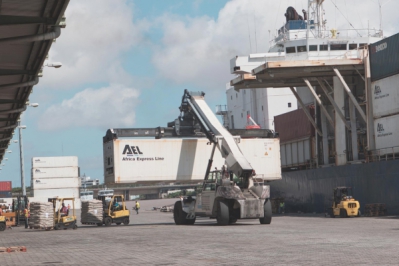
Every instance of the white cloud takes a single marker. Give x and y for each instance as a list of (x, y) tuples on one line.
[(90, 48), (108, 107), (197, 50)]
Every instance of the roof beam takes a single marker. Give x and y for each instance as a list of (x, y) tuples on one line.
[(6, 101), (17, 20), (9, 72)]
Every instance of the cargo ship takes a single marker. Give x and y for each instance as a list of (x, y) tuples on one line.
[(333, 97)]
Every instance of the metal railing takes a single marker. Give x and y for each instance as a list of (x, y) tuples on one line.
[(386, 154)]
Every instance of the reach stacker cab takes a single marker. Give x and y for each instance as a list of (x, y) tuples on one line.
[(63, 220), (114, 210)]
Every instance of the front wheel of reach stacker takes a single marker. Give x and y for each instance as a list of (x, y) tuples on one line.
[(126, 221), (178, 214), (223, 214), (267, 208)]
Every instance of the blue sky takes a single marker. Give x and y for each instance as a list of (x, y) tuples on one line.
[(126, 64)]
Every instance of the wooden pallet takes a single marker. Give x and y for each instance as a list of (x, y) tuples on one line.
[(39, 228), (12, 249)]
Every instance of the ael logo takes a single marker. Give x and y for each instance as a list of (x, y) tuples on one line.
[(37, 171), (377, 90), (37, 181), (380, 128), (131, 150)]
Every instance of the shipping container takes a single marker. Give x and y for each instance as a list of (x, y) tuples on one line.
[(48, 183), (5, 194), (61, 161), (384, 58), (56, 172), (78, 202), (296, 153), (385, 96), (5, 185), (294, 125), (56, 192), (181, 159), (387, 134)]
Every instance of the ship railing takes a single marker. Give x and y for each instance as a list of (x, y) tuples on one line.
[(385, 154), (344, 34)]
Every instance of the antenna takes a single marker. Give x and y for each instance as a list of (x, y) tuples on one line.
[(256, 41), (249, 36)]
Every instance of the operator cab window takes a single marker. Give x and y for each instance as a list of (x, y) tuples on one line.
[(290, 50)]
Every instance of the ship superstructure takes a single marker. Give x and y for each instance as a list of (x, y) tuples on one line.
[(328, 72)]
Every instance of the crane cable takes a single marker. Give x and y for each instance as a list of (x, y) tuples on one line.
[(346, 18)]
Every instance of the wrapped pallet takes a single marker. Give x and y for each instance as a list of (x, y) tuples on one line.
[(92, 212), (41, 215)]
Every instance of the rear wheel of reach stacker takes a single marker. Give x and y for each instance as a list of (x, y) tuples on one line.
[(2, 226), (126, 221), (108, 221), (343, 213), (99, 224), (267, 209), (223, 213)]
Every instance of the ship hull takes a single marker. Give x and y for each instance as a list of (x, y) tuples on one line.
[(312, 190)]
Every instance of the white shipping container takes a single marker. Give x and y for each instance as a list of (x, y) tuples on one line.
[(78, 202), (127, 161), (55, 172), (60, 192), (385, 96), (61, 161), (48, 183), (387, 134)]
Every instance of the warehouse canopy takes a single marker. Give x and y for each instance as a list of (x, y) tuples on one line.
[(27, 31), (282, 74)]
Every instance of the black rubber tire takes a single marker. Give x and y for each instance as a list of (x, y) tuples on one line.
[(118, 223), (223, 213), (232, 220), (107, 221), (126, 221), (178, 214), (343, 213), (267, 208), (99, 224), (359, 214), (57, 227), (75, 226), (2, 226)]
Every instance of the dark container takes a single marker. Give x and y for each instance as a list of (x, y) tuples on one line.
[(5, 186), (384, 58), (5, 194), (294, 125)]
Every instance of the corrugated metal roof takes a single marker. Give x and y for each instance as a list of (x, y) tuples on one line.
[(22, 59)]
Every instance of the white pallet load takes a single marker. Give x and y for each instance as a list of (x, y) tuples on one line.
[(52, 162), (41, 215), (92, 212)]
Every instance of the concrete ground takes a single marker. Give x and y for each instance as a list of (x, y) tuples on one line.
[(152, 238)]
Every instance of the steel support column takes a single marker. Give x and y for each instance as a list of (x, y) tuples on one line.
[(325, 138), (340, 137), (306, 111), (337, 110), (353, 99), (323, 109), (352, 114), (369, 105)]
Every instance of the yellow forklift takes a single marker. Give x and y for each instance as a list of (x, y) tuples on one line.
[(344, 205), (2, 223), (17, 215), (114, 210), (63, 220)]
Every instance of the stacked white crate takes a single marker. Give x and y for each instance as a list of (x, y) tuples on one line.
[(56, 177), (385, 98)]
